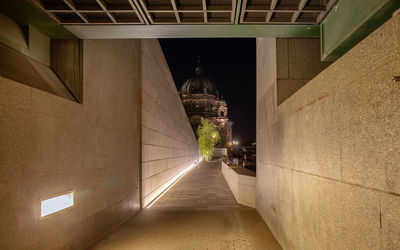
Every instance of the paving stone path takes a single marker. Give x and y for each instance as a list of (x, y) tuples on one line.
[(199, 212)]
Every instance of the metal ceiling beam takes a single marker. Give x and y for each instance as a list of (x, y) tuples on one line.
[(300, 8), (192, 31), (233, 12), (103, 7), (239, 11), (204, 6), (271, 11), (139, 12), (71, 5), (153, 12), (329, 6), (144, 12), (178, 19)]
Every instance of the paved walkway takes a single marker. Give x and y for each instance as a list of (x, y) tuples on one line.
[(199, 212)]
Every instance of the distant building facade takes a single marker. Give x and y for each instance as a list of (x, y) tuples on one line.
[(201, 99)]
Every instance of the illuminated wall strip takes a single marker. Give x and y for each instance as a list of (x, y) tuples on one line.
[(56, 204), (175, 179)]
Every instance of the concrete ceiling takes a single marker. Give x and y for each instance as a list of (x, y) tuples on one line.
[(153, 12)]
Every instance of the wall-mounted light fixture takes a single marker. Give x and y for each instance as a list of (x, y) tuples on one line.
[(56, 203), (172, 182)]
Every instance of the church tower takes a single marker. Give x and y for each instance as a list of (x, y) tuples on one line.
[(201, 99)]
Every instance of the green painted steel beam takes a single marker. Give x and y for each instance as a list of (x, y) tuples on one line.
[(25, 13), (237, 11), (192, 31), (349, 22)]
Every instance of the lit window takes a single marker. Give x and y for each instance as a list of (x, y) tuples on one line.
[(55, 204)]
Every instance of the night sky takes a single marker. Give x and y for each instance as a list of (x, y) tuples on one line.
[(231, 66)]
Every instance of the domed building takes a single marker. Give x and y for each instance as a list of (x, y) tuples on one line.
[(201, 99)]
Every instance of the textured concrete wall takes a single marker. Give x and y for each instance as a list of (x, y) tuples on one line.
[(66, 62), (242, 184), (168, 143), (298, 61), (25, 39), (49, 145), (328, 173)]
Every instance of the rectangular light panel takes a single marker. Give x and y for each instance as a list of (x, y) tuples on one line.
[(55, 204)]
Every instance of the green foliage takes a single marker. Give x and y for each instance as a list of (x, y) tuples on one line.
[(208, 135)]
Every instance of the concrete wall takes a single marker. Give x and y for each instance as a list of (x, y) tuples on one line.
[(49, 145), (328, 173), (168, 142), (25, 39), (242, 185), (298, 61)]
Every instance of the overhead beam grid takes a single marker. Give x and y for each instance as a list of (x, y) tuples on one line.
[(112, 12), (89, 12), (285, 11)]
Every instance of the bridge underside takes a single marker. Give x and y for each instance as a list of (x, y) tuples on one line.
[(339, 24)]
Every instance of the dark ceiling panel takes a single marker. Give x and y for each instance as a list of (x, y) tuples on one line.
[(186, 11), (285, 11)]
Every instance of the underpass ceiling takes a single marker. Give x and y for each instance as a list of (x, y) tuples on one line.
[(115, 12), (340, 23)]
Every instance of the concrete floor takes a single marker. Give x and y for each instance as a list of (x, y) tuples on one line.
[(199, 212)]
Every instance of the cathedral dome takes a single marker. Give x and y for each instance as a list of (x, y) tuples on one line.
[(198, 84), (222, 102)]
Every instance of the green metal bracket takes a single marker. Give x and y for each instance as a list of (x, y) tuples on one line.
[(25, 13), (349, 22)]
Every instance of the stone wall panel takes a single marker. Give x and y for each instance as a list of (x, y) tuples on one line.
[(371, 133), (168, 142), (50, 145), (340, 188), (349, 216), (390, 216)]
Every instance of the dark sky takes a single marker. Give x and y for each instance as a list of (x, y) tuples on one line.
[(231, 65)]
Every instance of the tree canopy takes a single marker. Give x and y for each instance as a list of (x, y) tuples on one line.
[(208, 135)]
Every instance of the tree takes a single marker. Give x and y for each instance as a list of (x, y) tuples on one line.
[(208, 135)]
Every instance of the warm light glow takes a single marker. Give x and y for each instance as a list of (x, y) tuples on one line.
[(174, 181), (55, 204)]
